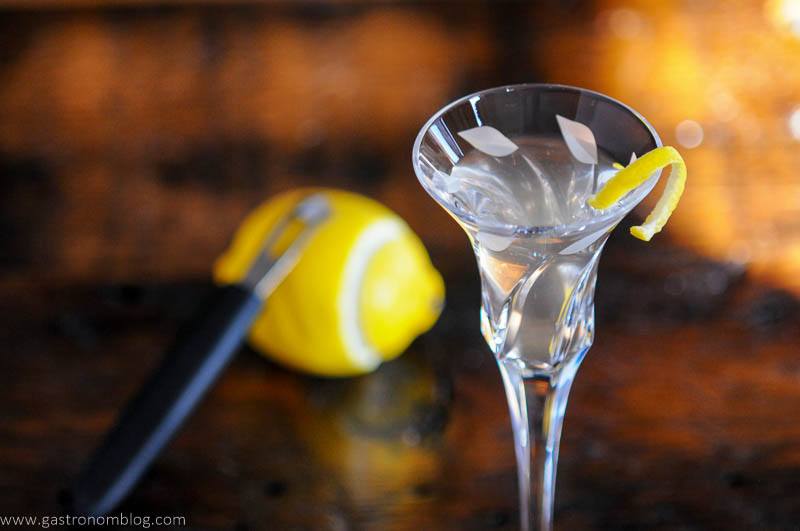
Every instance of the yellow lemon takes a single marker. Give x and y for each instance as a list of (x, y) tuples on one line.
[(362, 290)]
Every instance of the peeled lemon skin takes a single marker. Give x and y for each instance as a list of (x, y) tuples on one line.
[(316, 318), (637, 172)]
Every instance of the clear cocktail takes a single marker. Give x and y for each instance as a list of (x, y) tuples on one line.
[(515, 166)]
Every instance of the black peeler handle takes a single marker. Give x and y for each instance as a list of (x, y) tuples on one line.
[(189, 368)]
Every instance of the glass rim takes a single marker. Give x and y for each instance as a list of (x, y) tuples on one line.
[(608, 216)]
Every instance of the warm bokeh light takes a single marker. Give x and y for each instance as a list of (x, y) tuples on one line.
[(723, 85), (164, 104), (689, 134), (785, 14), (722, 82), (794, 123)]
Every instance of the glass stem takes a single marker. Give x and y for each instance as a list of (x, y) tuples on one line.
[(537, 402)]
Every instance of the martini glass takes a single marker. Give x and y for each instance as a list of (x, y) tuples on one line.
[(499, 162)]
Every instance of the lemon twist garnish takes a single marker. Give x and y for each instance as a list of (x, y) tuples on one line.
[(634, 175)]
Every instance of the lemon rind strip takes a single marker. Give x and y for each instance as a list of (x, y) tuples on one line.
[(634, 175)]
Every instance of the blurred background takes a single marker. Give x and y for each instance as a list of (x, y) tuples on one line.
[(135, 137)]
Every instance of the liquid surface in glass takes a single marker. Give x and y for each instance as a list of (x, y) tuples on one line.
[(538, 290), (540, 184)]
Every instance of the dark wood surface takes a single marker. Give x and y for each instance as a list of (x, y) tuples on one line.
[(134, 140), (683, 415)]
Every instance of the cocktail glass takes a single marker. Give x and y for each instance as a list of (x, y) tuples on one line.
[(499, 163)]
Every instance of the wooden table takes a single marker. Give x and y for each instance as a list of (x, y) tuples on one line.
[(683, 415)]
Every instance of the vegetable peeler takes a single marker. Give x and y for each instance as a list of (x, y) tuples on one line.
[(190, 367)]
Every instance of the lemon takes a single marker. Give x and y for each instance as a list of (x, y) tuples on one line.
[(637, 172), (362, 290)]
